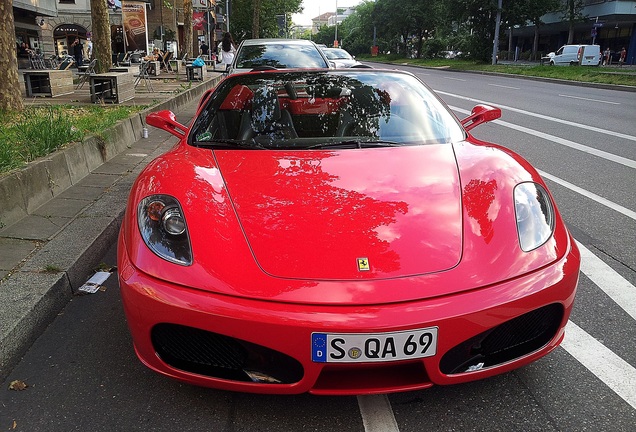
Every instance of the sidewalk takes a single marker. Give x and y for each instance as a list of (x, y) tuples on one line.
[(60, 214)]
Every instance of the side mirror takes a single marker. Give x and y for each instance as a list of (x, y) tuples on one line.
[(167, 121), (481, 114)]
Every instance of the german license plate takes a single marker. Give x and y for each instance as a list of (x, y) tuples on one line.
[(373, 347)]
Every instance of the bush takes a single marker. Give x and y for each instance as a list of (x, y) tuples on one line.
[(38, 131)]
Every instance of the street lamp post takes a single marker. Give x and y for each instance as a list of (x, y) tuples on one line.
[(496, 41), (227, 15), (335, 41)]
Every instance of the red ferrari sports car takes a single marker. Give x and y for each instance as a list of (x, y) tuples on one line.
[(340, 232)]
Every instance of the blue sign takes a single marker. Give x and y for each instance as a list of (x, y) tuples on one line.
[(319, 347)]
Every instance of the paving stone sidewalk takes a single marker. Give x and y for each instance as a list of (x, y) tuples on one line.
[(61, 214)]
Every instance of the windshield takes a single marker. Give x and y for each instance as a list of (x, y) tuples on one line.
[(280, 56), (337, 54), (313, 110)]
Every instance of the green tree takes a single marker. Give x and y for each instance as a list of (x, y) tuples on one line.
[(397, 24), (10, 99), (475, 22), (244, 13), (535, 9), (188, 44), (101, 36), (572, 13), (358, 35), (326, 35)]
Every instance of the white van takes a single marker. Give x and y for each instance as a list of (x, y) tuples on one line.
[(584, 55)]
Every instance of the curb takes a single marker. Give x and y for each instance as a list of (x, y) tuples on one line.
[(26, 189), (29, 298)]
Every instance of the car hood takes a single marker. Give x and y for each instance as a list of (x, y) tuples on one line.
[(347, 214), (358, 226), (344, 63)]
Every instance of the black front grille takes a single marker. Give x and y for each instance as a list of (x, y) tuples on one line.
[(508, 341), (216, 355)]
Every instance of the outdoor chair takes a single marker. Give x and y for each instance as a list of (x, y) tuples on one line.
[(37, 61), (66, 63), (144, 76), (85, 76), (52, 62), (123, 59), (184, 58), (165, 62)]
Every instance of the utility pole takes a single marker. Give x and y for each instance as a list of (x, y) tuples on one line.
[(335, 41), (496, 41), (227, 14), (207, 20)]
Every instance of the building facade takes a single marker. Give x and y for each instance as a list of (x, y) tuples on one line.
[(608, 23), (49, 27)]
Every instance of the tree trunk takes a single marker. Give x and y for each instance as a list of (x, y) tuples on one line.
[(187, 27), (256, 18), (535, 43), (101, 36), (10, 92)]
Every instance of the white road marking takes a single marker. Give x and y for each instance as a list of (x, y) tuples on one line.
[(586, 149), (599, 199), (612, 370), (455, 79), (615, 372), (613, 284), (588, 99), (377, 415), (544, 117), (508, 87)]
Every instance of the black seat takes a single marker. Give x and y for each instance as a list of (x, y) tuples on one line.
[(266, 118), (360, 116)]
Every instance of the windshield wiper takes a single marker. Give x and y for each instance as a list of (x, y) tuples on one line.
[(355, 144), (230, 143)]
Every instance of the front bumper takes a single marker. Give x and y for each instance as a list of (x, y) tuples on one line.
[(177, 330)]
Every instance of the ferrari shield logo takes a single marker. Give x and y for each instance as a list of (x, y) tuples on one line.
[(363, 264)]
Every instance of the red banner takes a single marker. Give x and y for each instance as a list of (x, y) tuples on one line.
[(198, 20)]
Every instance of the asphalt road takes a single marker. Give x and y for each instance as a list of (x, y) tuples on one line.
[(83, 374)]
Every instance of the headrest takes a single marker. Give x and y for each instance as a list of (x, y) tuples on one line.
[(265, 109)]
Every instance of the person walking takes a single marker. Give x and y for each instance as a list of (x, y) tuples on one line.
[(204, 49), (623, 56), (89, 49), (607, 57), (228, 49)]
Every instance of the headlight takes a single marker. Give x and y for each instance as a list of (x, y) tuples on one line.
[(534, 214), (163, 228)]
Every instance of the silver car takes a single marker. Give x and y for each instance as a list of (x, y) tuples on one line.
[(262, 54), (340, 57)]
